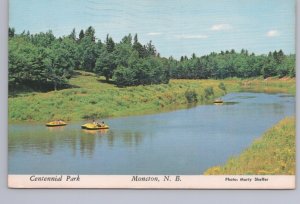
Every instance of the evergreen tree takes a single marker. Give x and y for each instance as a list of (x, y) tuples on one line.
[(81, 35), (90, 32), (110, 44), (138, 47), (11, 32), (127, 40), (73, 35)]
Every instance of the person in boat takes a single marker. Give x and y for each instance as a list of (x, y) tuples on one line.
[(94, 122), (100, 124)]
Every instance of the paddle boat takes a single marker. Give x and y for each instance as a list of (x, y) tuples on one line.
[(218, 101), (56, 123), (92, 126)]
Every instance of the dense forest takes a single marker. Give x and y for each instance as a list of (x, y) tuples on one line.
[(44, 60)]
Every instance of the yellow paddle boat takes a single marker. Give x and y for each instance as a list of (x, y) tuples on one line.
[(56, 123), (218, 101), (91, 126)]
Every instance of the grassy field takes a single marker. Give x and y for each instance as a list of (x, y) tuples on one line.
[(270, 85), (93, 98), (273, 154)]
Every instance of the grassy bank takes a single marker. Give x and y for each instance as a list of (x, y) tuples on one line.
[(270, 85), (273, 154), (96, 99), (93, 98)]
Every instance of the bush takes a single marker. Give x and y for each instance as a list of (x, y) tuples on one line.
[(124, 76), (96, 115), (222, 86), (93, 101), (209, 91), (191, 96), (83, 91)]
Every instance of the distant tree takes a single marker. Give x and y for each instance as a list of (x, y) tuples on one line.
[(150, 49), (279, 57), (127, 40), (90, 32), (110, 44), (43, 39), (139, 47), (124, 76), (122, 54), (73, 35), (193, 56), (150, 71), (291, 64), (105, 64), (268, 68), (11, 32), (27, 63), (88, 54), (81, 35), (62, 57)]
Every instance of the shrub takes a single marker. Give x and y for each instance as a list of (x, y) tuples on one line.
[(209, 91), (222, 86), (83, 91), (191, 96), (95, 115), (93, 101)]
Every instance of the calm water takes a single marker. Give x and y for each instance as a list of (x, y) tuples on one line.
[(180, 142)]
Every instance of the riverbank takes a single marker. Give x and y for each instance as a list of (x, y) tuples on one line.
[(94, 98), (272, 154), (270, 85)]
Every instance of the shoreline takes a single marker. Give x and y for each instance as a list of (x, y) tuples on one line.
[(273, 153), (166, 110)]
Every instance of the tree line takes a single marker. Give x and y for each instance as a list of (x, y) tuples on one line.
[(234, 64), (44, 60)]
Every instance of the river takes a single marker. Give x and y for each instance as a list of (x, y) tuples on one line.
[(184, 142)]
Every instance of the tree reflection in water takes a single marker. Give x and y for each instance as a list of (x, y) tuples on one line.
[(46, 142)]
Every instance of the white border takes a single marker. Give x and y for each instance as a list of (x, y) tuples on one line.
[(153, 181), (78, 196)]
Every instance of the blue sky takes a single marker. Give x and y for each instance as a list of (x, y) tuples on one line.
[(176, 27)]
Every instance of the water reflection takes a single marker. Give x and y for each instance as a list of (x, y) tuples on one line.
[(132, 138), (246, 97), (56, 129), (100, 132), (286, 96), (87, 145), (63, 138), (230, 103)]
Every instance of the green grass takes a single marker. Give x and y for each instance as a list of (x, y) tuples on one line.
[(270, 85), (273, 154), (97, 99)]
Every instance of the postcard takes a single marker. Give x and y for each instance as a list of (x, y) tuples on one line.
[(144, 94)]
